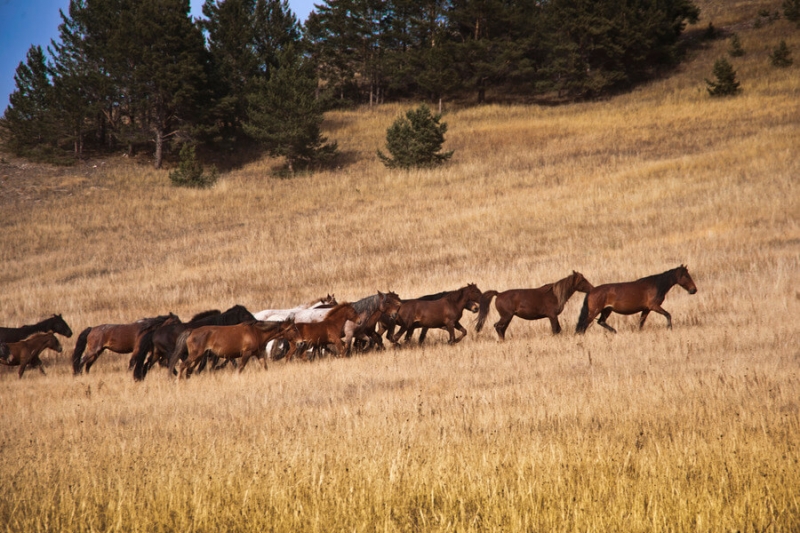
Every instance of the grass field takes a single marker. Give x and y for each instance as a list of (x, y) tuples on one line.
[(693, 429)]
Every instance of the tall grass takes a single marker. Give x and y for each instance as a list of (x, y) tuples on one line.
[(693, 429)]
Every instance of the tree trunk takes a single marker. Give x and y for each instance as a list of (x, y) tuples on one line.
[(159, 147)]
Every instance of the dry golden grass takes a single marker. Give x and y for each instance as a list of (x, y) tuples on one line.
[(694, 429)]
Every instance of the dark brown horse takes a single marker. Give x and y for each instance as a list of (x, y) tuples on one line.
[(318, 335), (26, 353), (444, 312), (55, 323), (230, 342), (628, 298), (118, 338), (532, 304)]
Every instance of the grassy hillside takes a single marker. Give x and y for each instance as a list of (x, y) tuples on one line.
[(691, 429)]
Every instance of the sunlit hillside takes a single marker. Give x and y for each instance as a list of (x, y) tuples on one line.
[(690, 429)]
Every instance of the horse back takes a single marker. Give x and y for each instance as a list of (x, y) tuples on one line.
[(625, 298)]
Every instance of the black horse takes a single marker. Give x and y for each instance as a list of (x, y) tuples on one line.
[(54, 324)]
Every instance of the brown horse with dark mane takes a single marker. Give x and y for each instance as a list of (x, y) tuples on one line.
[(55, 324), (230, 342), (444, 312), (118, 338), (26, 353), (317, 335), (532, 304), (628, 298)]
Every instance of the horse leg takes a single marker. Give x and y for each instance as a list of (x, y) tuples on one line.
[(88, 359), (463, 331), (604, 314), (245, 358), (38, 363), (662, 311), (422, 334), (554, 324), (396, 337), (643, 318), (501, 325)]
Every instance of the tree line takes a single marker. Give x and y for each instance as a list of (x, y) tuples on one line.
[(142, 74)]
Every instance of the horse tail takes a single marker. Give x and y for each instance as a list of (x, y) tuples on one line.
[(486, 300), (138, 358), (80, 346), (583, 319), (179, 352)]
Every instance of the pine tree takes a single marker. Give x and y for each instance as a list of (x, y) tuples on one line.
[(736, 49), (29, 119), (285, 115), (791, 10), (781, 57), (726, 83), (415, 140), (169, 74), (190, 171)]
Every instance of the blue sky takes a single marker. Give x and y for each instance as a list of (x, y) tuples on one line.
[(30, 22)]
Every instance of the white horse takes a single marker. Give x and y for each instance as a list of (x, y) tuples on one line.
[(279, 315)]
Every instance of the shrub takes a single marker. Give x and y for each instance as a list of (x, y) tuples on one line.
[(736, 49), (190, 171), (781, 56), (415, 140), (791, 10), (726, 83)]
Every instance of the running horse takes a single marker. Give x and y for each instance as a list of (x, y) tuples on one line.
[(316, 335), (282, 314), (55, 324), (243, 341), (238, 314), (532, 304), (370, 310), (444, 312), (628, 298), (26, 353), (118, 338)]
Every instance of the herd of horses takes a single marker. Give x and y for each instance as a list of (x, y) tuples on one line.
[(213, 338)]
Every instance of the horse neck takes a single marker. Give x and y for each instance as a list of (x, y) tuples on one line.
[(664, 282), (40, 342), (563, 290), (338, 314)]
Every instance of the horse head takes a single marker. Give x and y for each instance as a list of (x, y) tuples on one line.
[(52, 343), (580, 283), (328, 300), (685, 280), (390, 304), (60, 326), (473, 295)]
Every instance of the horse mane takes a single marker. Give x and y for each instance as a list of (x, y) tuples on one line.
[(206, 314), (664, 281), (154, 322), (367, 305), (564, 289)]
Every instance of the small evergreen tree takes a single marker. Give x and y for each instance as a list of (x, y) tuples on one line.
[(190, 171), (736, 49), (781, 56), (791, 10), (726, 83), (285, 115), (415, 140)]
